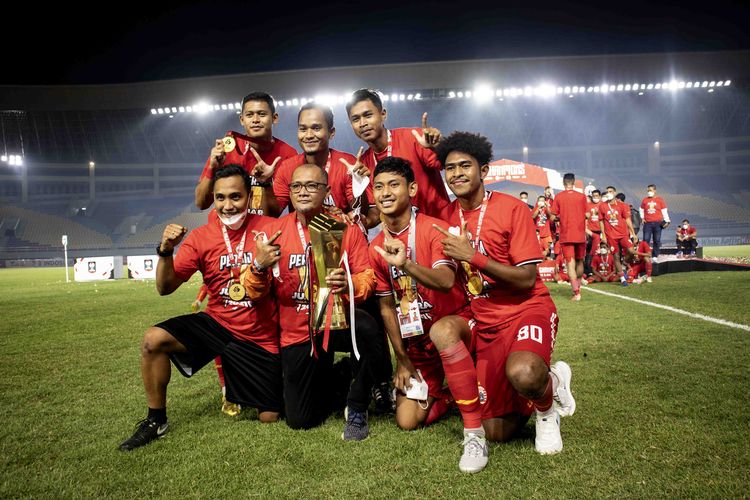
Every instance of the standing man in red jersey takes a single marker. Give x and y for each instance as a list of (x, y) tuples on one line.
[(367, 117), (314, 133), (655, 216), (516, 318), (569, 212), (259, 151), (240, 323), (541, 216), (616, 229), (425, 311), (593, 230)]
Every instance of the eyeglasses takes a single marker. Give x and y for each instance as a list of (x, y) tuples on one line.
[(310, 187)]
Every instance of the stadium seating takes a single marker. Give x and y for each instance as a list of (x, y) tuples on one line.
[(152, 235), (45, 229)]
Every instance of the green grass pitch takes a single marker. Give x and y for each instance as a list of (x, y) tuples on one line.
[(662, 407)]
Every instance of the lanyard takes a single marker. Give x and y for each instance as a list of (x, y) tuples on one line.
[(328, 161), (482, 211), (388, 149), (411, 252), (240, 248)]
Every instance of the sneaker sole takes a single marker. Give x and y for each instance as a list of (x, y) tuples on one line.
[(565, 375)]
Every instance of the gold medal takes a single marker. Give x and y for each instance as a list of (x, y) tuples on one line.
[(236, 291), (475, 284), (229, 144)]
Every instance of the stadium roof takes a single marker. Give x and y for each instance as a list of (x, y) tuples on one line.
[(567, 70)]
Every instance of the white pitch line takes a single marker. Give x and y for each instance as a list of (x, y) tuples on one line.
[(718, 321)]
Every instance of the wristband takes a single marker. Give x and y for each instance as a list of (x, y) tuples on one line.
[(479, 260), (163, 254), (258, 267)]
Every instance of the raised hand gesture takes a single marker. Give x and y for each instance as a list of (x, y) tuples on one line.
[(393, 251), (267, 253), (263, 172), (457, 247), (356, 167), (217, 155), (172, 237), (430, 135)]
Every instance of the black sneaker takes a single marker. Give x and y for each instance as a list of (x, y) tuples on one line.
[(383, 397), (145, 432)]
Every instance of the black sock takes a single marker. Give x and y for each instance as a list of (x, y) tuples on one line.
[(158, 415)]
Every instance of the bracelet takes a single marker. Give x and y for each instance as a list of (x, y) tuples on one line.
[(257, 266), (266, 184), (479, 260), (163, 254)]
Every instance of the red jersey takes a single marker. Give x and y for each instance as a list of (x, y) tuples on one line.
[(542, 223), (291, 287), (593, 222), (614, 216), (652, 208), (507, 236), (603, 265), (690, 231), (570, 207), (562, 268), (241, 155), (643, 247), (433, 304), (205, 250), (339, 179), (432, 196)]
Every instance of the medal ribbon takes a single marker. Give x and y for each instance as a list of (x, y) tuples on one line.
[(411, 254), (482, 211), (233, 256), (388, 149)]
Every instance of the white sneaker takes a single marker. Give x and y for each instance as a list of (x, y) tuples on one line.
[(648, 279), (476, 453), (548, 440), (584, 282), (654, 260), (638, 281), (563, 396)]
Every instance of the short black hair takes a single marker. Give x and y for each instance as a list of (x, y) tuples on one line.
[(231, 170), (612, 188), (569, 178), (522, 193), (364, 95), (259, 96), (685, 220), (651, 186), (596, 191), (395, 165), (470, 143), (327, 112), (620, 196)]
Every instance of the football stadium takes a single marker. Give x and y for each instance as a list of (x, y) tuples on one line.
[(90, 176)]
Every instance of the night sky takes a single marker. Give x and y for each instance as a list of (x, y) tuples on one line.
[(117, 42)]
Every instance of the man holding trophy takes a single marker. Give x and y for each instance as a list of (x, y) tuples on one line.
[(323, 273)]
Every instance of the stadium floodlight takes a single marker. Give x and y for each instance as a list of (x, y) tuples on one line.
[(640, 93), (401, 97), (650, 86), (657, 86), (188, 109), (280, 104), (575, 89), (12, 161), (410, 97), (596, 89), (567, 90), (153, 112), (304, 101), (704, 84), (231, 105), (710, 90), (288, 102), (342, 99), (451, 95), (460, 94), (215, 107), (711, 84), (656, 144), (394, 97), (619, 87), (295, 102), (499, 93), (181, 109), (727, 83), (545, 91), (224, 107), (483, 93), (627, 87), (468, 93), (238, 105), (559, 90), (681, 84), (570, 96), (160, 111), (590, 89), (720, 84), (4, 158), (418, 96), (386, 98), (689, 85), (174, 110)]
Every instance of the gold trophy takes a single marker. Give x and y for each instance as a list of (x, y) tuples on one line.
[(326, 237)]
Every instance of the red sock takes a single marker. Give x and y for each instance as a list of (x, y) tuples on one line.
[(576, 284), (649, 268), (219, 370), (462, 381), (545, 402), (437, 410)]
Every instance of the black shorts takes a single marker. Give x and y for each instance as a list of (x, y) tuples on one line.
[(252, 375)]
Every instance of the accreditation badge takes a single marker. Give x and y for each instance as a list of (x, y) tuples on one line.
[(410, 323)]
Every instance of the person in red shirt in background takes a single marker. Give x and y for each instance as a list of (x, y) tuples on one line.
[(367, 117), (561, 270), (603, 266), (569, 213), (541, 216), (593, 230), (524, 197), (227, 407), (687, 239), (655, 217), (240, 322), (616, 229), (640, 263), (516, 318), (258, 151), (314, 132)]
